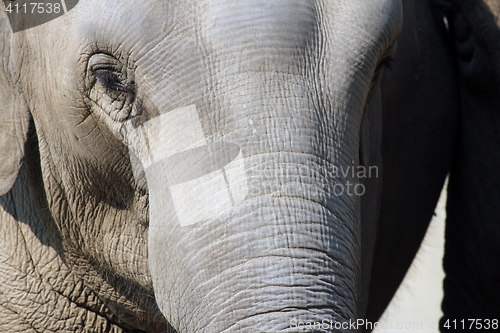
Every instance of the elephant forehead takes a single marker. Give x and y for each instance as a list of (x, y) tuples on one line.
[(232, 26), (267, 47), (284, 26)]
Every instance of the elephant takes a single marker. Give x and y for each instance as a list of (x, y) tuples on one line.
[(471, 261), (205, 166)]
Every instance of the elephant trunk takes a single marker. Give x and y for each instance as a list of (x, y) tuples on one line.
[(269, 243), (274, 262), (254, 202)]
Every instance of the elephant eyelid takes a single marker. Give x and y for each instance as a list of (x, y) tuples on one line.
[(101, 67)]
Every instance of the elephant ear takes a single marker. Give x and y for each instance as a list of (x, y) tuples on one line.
[(14, 113)]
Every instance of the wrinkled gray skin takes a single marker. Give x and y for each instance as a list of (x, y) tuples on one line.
[(471, 261), (289, 82)]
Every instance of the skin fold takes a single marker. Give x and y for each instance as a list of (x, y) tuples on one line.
[(95, 239)]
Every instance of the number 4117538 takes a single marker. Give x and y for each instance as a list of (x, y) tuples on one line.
[(34, 8), (471, 324)]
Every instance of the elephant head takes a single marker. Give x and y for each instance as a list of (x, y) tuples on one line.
[(204, 156)]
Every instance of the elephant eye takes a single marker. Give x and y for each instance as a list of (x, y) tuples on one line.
[(385, 63), (110, 86), (110, 73), (109, 78)]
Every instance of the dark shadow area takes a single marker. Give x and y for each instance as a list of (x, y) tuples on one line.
[(471, 259)]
